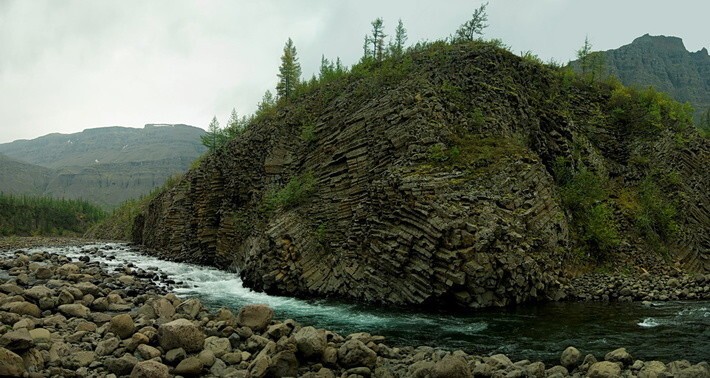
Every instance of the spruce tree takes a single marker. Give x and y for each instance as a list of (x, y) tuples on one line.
[(289, 72), (214, 137), (378, 39)]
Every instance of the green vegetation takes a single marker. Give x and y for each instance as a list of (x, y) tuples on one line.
[(468, 31), (646, 112), (591, 63), (586, 195), (119, 224), (704, 124), (297, 191), (33, 216)]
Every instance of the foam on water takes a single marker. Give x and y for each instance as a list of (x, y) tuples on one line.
[(649, 323)]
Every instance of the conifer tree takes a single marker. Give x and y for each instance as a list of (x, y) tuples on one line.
[(374, 46), (400, 38), (289, 72), (214, 137), (267, 102), (235, 125), (468, 31), (591, 63)]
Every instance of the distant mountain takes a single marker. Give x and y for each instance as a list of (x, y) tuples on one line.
[(664, 63), (22, 178), (105, 165)]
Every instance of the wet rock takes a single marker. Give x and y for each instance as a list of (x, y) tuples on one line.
[(256, 317), (181, 333), (451, 367), (11, 365), (652, 369), (604, 369), (310, 341), (150, 369), (354, 353)]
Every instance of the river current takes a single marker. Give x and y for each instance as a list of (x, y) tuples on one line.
[(660, 330)]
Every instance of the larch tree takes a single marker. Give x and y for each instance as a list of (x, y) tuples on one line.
[(235, 125), (591, 63), (468, 31), (374, 46), (214, 137), (289, 72), (400, 38)]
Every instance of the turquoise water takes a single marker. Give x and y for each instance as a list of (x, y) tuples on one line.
[(663, 330)]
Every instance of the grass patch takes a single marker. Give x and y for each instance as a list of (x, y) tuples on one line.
[(297, 191)]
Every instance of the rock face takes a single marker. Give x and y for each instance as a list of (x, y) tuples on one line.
[(436, 184)]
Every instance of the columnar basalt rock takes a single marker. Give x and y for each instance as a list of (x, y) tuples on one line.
[(436, 186)]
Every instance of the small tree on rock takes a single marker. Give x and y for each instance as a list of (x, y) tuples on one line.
[(468, 31), (400, 38), (215, 137), (289, 72), (374, 46)]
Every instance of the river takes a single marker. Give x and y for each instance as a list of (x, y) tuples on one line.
[(662, 330)]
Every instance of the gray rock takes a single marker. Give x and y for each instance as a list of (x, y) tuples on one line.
[(190, 366), (695, 371), (122, 326), (283, 364), (233, 358), (256, 317), (40, 335), (175, 355), (217, 345), (354, 353), (499, 361), (560, 370), (310, 341), (22, 308), (604, 369), (79, 359), (570, 358), (652, 369), (11, 365), (17, 341), (147, 352), (181, 333), (34, 360), (619, 355), (106, 347), (121, 366), (451, 367), (207, 358), (75, 310), (150, 369), (535, 369)]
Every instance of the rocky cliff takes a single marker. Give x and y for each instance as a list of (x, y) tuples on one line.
[(444, 177)]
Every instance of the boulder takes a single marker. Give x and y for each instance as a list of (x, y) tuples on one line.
[(256, 317), (354, 353), (106, 347), (11, 365), (148, 352), (75, 310), (122, 326), (150, 369), (218, 345), (79, 359), (17, 341), (310, 341), (22, 308), (40, 335), (181, 333), (619, 355), (176, 355), (451, 367), (207, 358), (38, 292), (283, 364), (604, 369), (570, 357), (695, 371), (121, 366), (190, 366), (34, 360)]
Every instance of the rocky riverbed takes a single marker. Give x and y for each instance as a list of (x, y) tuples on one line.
[(76, 318)]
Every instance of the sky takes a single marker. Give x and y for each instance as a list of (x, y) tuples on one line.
[(69, 65)]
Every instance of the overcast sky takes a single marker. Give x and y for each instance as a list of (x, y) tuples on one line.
[(70, 65)]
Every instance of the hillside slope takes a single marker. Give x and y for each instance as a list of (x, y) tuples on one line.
[(22, 178), (664, 63), (457, 174), (106, 165)]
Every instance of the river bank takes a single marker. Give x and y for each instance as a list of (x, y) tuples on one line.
[(83, 320)]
